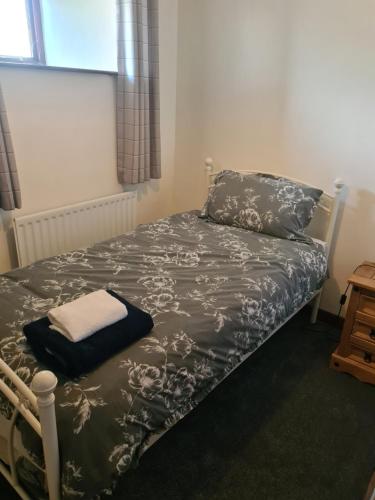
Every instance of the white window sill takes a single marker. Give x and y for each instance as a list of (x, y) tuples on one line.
[(27, 65)]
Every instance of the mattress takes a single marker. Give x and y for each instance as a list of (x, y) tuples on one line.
[(216, 293)]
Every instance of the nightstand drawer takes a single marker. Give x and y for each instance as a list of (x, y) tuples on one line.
[(364, 329), (367, 304), (362, 356), (363, 345), (356, 352)]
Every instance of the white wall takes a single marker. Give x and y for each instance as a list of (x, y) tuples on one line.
[(329, 120), (63, 129), (286, 86), (230, 86)]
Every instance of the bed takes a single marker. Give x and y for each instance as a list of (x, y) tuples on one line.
[(216, 293)]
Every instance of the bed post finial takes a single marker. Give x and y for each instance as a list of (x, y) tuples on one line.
[(339, 185), (43, 385), (209, 162)]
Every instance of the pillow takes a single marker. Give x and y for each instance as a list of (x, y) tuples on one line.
[(262, 203)]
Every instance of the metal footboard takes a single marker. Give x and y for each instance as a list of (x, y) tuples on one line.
[(37, 407)]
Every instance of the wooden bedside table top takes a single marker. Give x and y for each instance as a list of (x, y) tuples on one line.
[(364, 276)]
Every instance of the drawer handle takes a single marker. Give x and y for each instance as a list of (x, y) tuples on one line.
[(367, 357), (372, 334)]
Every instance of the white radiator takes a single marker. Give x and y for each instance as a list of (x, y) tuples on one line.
[(52, 232)]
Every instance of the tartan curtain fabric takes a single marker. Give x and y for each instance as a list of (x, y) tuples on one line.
[(10, 194), (138, 113)]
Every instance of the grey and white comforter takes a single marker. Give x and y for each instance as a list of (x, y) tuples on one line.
[(216, 293)]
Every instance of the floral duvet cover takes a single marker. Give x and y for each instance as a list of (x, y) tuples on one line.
[(215, 292)]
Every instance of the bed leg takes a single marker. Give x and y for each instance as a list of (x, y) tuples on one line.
[(43, 385), (315, 310)]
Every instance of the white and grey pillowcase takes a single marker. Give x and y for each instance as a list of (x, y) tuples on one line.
[(263, 203)]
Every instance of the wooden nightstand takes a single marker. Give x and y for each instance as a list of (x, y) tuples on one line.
[(356, 351)]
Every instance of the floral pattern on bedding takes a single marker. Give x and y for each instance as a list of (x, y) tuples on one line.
[(216, 293), (263, 203)]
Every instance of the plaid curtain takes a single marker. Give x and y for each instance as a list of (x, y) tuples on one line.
[(138, 113), (10, 194)]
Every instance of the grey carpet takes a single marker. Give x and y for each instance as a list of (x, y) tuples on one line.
[(283, 426)]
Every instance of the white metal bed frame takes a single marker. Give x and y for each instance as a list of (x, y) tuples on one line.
[(37, 403), (323, 224)]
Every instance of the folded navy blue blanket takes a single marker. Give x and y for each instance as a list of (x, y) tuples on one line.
[(75, 358)]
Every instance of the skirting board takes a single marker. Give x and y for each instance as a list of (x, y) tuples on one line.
[(331, 319)]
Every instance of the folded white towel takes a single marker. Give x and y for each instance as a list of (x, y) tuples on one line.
[(81, 318)]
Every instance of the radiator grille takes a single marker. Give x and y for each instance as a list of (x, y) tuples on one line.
[(56, 231)]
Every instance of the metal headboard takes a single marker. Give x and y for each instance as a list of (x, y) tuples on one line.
[(323, 224)]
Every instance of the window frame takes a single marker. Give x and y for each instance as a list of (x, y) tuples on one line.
[(35, 32)]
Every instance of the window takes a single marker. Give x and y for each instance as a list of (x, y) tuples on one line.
[(78, 34), (20, 31)]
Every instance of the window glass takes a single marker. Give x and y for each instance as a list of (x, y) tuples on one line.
[(80, 33), (14, 30)]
